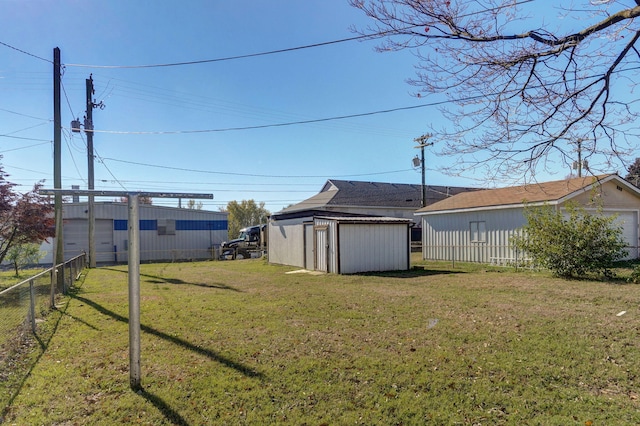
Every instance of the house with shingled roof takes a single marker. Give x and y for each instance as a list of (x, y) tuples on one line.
[(370, 199), (351, 226), (478, 226)]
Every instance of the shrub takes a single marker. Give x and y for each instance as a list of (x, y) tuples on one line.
[(572, 243), (635, 275)]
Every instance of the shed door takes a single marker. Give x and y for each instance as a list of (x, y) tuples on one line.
[(322, 249), (308, 247)]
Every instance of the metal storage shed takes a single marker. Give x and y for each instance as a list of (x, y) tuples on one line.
[(340, 244), (166, 233), (478, 226)]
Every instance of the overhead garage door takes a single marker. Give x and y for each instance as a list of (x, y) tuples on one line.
[(629, 222), (76, 238)]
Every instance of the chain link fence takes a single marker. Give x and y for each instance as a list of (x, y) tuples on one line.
[(24, 304)]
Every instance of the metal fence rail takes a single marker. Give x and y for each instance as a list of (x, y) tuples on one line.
[(23, 304)]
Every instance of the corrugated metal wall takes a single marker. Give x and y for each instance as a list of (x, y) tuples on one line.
[(373, 247), (191, 232), (329, 245), (448, 236), (286, 242)]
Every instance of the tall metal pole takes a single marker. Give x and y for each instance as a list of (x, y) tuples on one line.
[(134, 293), (88, 129), (58, 252)]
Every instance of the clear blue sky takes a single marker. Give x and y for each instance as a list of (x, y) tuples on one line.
[(145, 138)]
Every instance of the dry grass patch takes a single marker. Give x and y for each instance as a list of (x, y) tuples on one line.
[(245, 343)]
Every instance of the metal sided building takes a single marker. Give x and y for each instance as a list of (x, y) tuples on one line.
[(166, 233), (340, 244), (478, 226)]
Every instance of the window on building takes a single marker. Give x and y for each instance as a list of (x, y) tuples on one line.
[(478, 232), (166, 227)]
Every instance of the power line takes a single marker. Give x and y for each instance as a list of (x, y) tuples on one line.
[(364, 114), (23, 147), (25, 115), (109, 170), (26, 53), (241, 174), (285, 50), (290, 123), (73, 160), (27, 139), (231, 58)]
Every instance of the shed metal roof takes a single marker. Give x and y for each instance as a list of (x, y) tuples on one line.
[(367, 219)]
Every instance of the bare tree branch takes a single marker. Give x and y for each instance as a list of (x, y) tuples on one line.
[(521, 98)]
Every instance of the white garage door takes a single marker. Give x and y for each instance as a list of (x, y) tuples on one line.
[(629, 223), (76, 239)]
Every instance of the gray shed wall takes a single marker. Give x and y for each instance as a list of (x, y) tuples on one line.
[(287, 242), (373, 247)]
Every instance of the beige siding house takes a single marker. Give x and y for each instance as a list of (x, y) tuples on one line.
[(477, 226)]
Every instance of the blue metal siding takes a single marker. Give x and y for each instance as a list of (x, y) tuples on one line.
[(181, 225), (201, 225)]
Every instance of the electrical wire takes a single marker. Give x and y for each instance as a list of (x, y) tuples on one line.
[(291, 123), (231, 58), (26, 53), (108, 170), (344, 117), (24, 147), (26, 115), (241, 174), (285, 50), (73, 160)]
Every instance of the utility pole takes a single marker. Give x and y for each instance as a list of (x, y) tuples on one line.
[(422, 142), (580, 164), (88, 130), (58, 250)]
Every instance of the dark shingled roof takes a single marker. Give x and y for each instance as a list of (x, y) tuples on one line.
[(348, 193)]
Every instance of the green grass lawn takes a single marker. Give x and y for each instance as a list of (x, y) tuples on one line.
[(8, 277), (245, 343)]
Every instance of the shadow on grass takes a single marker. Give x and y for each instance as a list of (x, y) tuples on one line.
[(178, 341), (414, 272), (154, 279), (169, 413), (79, 319), (22, 359)]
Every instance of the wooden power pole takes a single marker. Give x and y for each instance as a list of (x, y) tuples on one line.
[(88, 129), (58, 250)]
